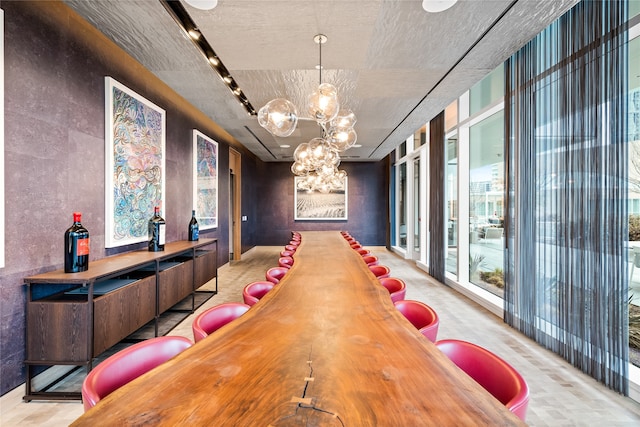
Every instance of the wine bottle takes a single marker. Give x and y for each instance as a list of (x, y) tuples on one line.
[(194, 230), (76, 246), (156, 231)]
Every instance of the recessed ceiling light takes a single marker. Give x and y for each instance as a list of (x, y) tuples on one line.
[(203, 4), (285, 146), (357, 146), (435, 6)]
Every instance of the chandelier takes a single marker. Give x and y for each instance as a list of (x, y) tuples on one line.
[(316, 161)]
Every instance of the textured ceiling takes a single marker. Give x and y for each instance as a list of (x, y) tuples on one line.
[(395, 65)]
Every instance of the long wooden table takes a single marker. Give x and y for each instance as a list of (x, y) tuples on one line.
[(326, 347)]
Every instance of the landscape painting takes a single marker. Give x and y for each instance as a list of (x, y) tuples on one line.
[(314, 205)]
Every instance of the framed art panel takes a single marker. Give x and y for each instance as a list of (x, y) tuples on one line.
[(205, 183), (314, 205), (135, 132), (2, 168)]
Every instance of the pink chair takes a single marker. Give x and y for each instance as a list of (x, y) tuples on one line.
[(380, 271), (295, 243), (128, 364), (370, 259), (396, 287), (491, 372), (285, 261), (287, 253), (290, 248), (363, 251), (253, 292), (275, 274), (216, 317), (423, 317)]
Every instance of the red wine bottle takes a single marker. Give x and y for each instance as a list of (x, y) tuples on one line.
[(194, 229), (156, 231), (76, 246)]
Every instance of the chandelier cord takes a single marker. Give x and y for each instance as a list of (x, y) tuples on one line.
[(320, 66)]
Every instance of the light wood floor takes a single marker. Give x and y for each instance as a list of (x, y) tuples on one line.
[(560, 394)]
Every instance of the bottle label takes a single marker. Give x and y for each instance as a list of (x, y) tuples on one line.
[(161, 234), (83, 246)]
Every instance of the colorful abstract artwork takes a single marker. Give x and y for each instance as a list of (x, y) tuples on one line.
[(205, 185), (314, 205), (135, 164)]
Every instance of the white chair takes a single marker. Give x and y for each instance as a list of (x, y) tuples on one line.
[(492, 234)]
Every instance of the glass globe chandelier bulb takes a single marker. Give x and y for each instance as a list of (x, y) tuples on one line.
[(343, 138), (341, 174), (323, 105), (301, 153), (435, 6), (202, 4), (299, 169), (344, 119), (279, 116)]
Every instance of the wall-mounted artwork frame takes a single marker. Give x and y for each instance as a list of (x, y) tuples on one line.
[(135, 172), (205, 180), (2, 140), (314, 206)]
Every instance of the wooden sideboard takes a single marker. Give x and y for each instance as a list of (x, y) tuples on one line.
[(73, 317)]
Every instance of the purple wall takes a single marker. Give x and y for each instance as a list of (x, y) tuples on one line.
[(55, 64), (367, 198)]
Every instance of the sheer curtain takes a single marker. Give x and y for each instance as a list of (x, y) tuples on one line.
[(566, 262)]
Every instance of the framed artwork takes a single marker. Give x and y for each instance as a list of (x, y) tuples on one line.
[(2, 168), (135, 133), (314, 205), (205, 183)]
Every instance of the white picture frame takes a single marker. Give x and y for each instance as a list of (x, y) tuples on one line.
[(135, 158), (205, 180), (317, 206)]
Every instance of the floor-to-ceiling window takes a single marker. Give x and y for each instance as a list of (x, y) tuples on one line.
[(402, 205), (486, 203), (451, 214)]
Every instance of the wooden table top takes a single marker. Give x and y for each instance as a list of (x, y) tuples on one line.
[(326, 347)]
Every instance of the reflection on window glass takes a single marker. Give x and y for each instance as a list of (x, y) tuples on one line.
[(451, 115), (487, 91), (420, 137), (402, 205), (451, 190), (402, 150), (486, 203)]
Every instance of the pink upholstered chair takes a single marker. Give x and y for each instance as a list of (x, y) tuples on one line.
[(128, 364), (363, 251), (285, 261), (380, 271), (494, 374), (396, 287), (287, 253), (275, 274), (370, 259), (253, 292), (295, 243), (216, 317), (423, 317), (290, 248)]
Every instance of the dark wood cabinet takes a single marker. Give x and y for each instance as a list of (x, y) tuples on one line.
[(74, 317)]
